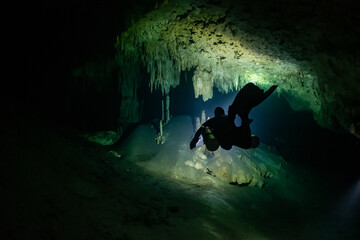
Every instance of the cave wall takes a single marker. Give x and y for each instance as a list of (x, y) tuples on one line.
[(308, 49)]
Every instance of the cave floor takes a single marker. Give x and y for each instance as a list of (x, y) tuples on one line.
[(57, 185)]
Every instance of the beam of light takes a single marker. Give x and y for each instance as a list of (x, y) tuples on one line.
[(347, 211), (352, 199)]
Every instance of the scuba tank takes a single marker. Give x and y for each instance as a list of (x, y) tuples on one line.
[(212, 144)]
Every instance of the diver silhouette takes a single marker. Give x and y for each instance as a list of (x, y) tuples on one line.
[(221, 129)]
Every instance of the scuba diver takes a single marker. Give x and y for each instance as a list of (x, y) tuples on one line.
[(221, 129)]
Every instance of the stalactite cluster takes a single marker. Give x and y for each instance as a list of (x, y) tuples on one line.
[(180, 36), (225, 52)]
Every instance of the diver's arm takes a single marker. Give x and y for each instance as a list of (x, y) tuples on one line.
[(196, 137), (200, 131)]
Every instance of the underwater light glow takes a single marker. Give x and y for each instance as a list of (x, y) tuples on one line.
[(255, 77)]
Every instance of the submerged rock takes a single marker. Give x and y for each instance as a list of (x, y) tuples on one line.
[(103, 137), (237, 166)]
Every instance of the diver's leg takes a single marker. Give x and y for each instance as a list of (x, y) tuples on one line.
[(240, 104), (242, 136), (226, 146), (245, 120), (244, 101)]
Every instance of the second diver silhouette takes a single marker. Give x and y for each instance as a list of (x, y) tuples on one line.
[(221, 129)]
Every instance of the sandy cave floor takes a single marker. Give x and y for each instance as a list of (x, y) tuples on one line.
[(57, 185)]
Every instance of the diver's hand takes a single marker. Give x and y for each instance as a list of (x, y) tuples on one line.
[(268, 93), (192, 144)]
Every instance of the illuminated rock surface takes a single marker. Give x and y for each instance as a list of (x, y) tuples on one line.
[(103, 137), (174, 159)]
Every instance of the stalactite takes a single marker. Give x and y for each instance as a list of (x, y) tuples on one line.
[(203, 117), (167, 108), (160, 137), (197, 123), (161, 129), (162, 110)]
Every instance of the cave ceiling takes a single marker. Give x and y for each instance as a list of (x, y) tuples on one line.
[(230, 43)]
